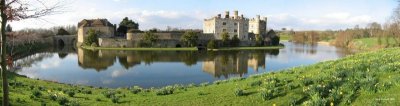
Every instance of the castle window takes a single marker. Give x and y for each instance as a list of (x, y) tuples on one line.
[(235, 30), (224, 23), (236, 24), (223, 30)]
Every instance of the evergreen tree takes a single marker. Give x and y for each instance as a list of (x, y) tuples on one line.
[(91, 38), (235, 41), (125, 25), (225, 38), (190, 38)]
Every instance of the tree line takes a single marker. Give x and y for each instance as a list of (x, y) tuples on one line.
[(386, 34)]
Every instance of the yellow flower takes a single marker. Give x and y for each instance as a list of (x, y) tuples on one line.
[(274, 104), (332, 104)]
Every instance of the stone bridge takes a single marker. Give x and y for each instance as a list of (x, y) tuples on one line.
[(62, 42)]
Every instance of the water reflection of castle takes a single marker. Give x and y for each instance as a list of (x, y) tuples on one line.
[(236, 64), (217, 64)]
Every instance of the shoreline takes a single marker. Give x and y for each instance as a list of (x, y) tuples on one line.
[(202, 92), (184, 49)]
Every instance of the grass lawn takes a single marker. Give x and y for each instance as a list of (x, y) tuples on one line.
[(371, 43), (285, 37), (371, 78)]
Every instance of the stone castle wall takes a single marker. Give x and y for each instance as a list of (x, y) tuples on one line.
[(104, 32), (168, 40)]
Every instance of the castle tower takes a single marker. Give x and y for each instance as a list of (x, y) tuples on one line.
[(226, 14), (236, 15)]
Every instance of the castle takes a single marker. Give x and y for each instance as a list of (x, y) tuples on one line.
[(235, 25), (245, 29), (102, 26)]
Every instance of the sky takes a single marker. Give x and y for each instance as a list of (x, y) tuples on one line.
[(189, 14)]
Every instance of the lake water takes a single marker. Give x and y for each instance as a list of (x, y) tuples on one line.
[(115, 69)]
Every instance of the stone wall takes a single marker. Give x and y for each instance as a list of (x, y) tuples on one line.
[(166, 40), (104, 32), (113, 42)]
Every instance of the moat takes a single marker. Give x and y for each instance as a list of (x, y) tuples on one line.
[(113, 69)]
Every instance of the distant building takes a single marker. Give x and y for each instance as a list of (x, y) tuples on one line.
[(103, 26), (258, 26), (236, 25)]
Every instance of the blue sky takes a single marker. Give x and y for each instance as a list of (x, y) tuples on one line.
[(296, 14)]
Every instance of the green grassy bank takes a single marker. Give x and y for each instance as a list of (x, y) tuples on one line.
[(373, 43), (371, 78)]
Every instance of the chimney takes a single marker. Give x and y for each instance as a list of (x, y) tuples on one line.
[(258, 17), (236, 14), (226, 14)]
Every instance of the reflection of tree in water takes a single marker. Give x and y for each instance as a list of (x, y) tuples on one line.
[(62, 55), (305, 48), (27, 61), (148, 57), (190, 58), (127, 64)]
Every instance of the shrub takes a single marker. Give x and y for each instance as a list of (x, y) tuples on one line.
[(267, 95), (204, 84), (192, 85), (62, 100), (291, 86), (98, 99), (94, 45), (217, 82), (201, 93), (41, 88), (136, 89), (91, 38), (20, 100), (53, 97), (36, 93), (115, 99), (292, 101), (307, 81), (180, 87), (87, 92), (256, 83), (165, 91), (31, 87), (317, 100), (239, 92), (70, 93), (73, 103), (108, 94), (212, 44), (237, 79), (190, 38), (235, 41)]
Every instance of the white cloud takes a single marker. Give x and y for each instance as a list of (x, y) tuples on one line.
[(52, 64), (337, 20)]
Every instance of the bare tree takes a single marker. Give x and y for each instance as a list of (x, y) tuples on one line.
[(16, 10), (394, 23), (374, 30)]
